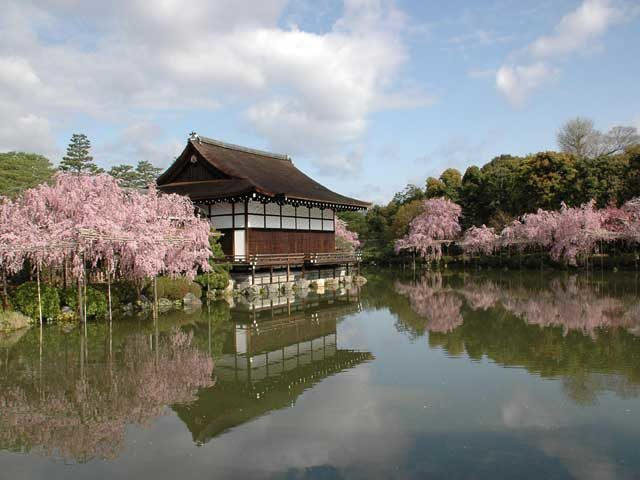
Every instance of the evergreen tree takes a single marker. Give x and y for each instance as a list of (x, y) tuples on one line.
[(147, 173), (126, 176), (141, 177), (19, 171), (77, 160)]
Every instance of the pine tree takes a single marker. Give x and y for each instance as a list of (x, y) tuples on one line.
[(77, 160), (141, 177), (126, 176), (147, 173)]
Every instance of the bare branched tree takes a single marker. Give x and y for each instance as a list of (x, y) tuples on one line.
[(619, 139), (579, 137)]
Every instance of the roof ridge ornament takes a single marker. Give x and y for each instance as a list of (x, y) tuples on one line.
[(194, 137)]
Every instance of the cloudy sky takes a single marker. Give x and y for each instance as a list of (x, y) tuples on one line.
[(365, 95)]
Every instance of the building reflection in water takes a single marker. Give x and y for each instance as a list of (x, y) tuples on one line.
[(280, 347), (71, 394)]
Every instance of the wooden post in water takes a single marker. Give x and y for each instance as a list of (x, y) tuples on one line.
[(86, 281), (109, 294), (39, 294)]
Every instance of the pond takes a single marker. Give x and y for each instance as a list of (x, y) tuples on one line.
[(441, 375)]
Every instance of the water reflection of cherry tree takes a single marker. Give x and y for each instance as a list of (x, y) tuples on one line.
[(578, 329), (570, 303), (77, 408), (437, 308)]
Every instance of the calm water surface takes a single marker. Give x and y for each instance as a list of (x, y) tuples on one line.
[(453, 375)]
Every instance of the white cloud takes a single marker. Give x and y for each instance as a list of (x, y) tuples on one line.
[(25, 132), (478, 37), (341, 164), (575, 32), (16, 74), (517, 82), (141, 141), (306, 93), (576, 29)]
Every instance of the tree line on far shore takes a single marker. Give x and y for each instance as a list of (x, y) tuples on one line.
[(591, 165), (21, 170)]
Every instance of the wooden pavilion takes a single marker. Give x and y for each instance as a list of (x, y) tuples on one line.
[(267, 210)]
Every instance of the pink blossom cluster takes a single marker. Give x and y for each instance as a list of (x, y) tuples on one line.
[(92, 220), (568, 234), (479, 240), (631, 229), (573, 232), (346, 236), (438, 223), (577, 232)]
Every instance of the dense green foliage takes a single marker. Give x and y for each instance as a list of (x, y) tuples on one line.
[(501, 190), (141, 176), (218, 277), (96, 301), (19, 171), (122, 293), (175, 288), (25, 300)]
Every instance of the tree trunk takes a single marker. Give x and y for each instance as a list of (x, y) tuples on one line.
[(65, 273), (80, 309), (155, 299)]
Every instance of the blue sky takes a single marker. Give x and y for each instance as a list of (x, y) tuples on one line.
[(365, 95)]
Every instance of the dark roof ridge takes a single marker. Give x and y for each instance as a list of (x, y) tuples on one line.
[(231, 146)]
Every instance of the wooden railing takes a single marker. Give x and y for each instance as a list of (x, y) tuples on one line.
[(267, 260), (334, 258), (291, 259)]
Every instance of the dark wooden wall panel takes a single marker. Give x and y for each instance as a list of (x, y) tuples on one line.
[(290, 241), (226, 241), (198, 171)]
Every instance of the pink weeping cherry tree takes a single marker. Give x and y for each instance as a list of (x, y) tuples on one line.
[(514, 235), (11, 256), (538, 228), (479, 240), (345, 238), (577, 231), (614, 220), (91, 221), (437, 224), (631, 229)]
